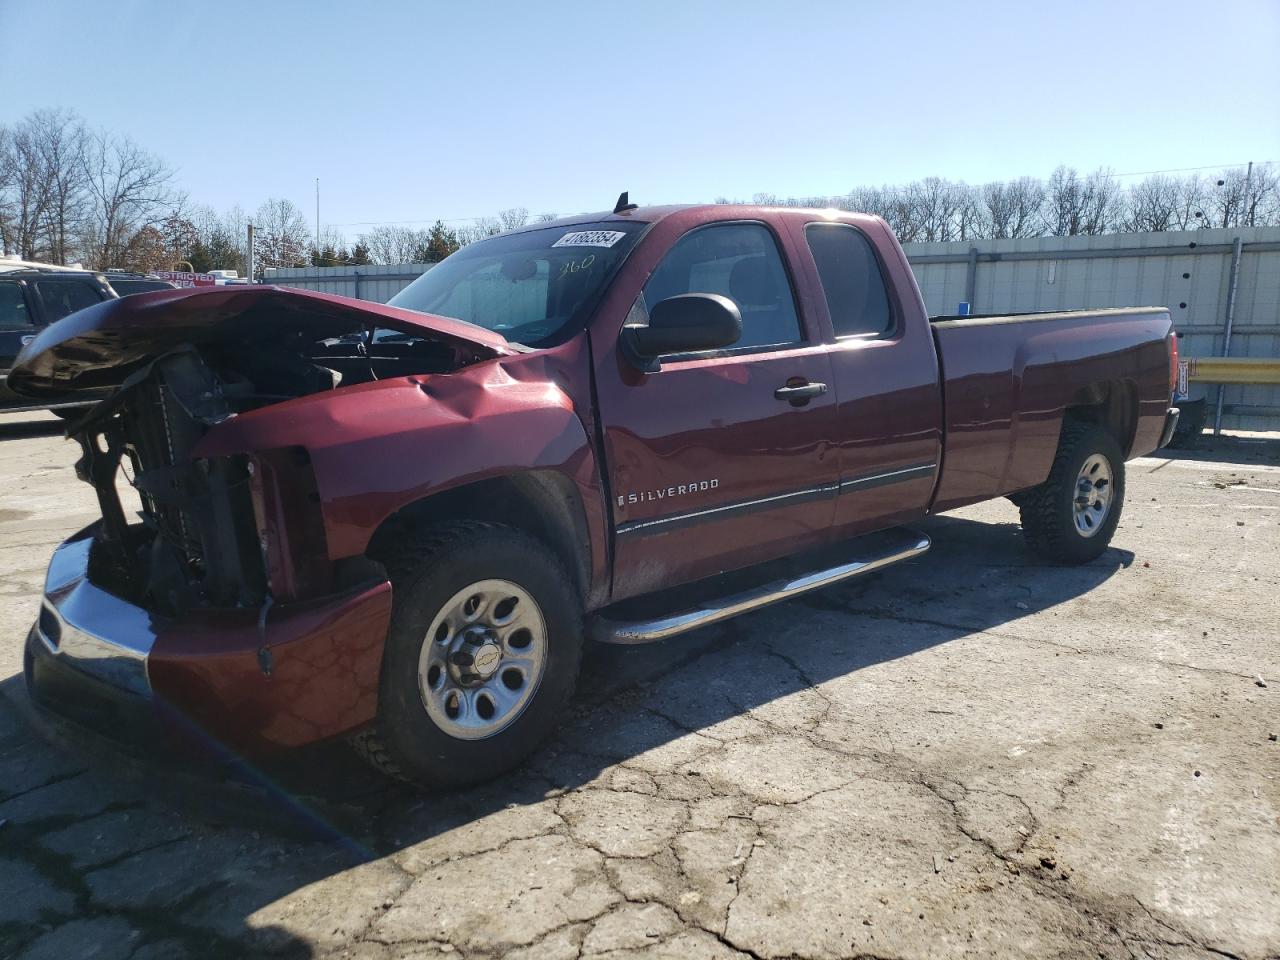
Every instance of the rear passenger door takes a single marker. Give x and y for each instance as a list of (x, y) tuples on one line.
[(710, 467), (889, 406)]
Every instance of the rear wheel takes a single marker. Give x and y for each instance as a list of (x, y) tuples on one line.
[(481, 657), (1071, 517)]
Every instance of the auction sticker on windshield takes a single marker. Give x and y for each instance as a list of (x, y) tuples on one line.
[(590, 238)]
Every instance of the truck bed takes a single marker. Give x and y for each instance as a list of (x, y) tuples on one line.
[(1006, 380)]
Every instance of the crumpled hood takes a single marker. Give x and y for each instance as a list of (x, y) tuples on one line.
[(100, 346)]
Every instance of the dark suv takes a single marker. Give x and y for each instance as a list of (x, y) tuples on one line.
[(31, 299), (126, 284)]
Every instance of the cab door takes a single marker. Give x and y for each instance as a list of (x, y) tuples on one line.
[(888, 429), (720, 460)]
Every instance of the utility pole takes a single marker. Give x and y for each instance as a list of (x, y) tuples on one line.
[(1248, 189), (318, 216), (248, 257)]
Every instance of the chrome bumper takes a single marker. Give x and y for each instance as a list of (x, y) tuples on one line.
[(89, 630)]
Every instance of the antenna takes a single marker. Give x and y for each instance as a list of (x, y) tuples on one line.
[(624, 204)]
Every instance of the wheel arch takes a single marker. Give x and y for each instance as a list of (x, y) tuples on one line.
[(1111, 404), (546, 504)]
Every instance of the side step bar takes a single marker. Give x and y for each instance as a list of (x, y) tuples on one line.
[(902, 545)]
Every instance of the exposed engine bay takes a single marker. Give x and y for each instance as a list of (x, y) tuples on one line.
[(201, 536)]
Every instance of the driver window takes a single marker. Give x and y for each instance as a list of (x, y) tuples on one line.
[(739, 261)]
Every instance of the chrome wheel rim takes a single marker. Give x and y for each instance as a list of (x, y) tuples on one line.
[(482, 659), (1094, 495)]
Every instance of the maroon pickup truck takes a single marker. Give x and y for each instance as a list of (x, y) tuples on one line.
[(323, 517)]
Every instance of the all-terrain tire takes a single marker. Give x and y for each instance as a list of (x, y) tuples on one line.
[(1048, 511), (427, 570)]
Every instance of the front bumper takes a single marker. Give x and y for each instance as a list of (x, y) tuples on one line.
[(284, 676), (1170, 425)]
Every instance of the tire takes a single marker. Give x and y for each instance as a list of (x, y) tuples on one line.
[(1054, 528), (529, 617), (70, 413)]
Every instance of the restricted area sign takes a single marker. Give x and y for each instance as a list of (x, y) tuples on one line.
[(185, 279)]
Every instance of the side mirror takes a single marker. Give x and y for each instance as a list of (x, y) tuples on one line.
[(688, 323)]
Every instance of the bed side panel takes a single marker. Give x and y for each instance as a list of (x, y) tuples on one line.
[(1007, 382)]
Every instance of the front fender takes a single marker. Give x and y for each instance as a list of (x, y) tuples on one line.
[(377, 447)]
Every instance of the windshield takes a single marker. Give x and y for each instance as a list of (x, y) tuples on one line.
[(535, 287)]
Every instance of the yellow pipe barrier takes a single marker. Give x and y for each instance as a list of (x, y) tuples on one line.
[(1265, 370)]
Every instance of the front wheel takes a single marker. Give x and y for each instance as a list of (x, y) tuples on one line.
[(481, 657), (1071, 517)]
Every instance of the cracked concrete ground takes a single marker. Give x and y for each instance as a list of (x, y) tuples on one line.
[(969, 755)]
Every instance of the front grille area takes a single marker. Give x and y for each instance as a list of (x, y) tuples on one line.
[(197, 541)]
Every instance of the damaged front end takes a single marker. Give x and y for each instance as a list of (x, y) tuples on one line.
[(197, 538), (215, 599)]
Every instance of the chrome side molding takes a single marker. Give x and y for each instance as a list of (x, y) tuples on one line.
[(604, 630)]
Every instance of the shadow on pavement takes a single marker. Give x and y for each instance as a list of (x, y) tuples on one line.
[(1226, 449), (218, 849), (11, 429)]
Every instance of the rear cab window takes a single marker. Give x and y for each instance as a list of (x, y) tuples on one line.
[(852, 282), (740, 261)]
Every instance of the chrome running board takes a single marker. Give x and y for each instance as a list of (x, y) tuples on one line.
[(884, 549)]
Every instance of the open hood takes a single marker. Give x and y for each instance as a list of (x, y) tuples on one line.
[(99, 347)]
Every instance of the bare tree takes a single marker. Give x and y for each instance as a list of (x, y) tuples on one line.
[(1083, 205), (1241, 198), (1013, 208), (1152, 204), (281, 234), (60, 144), (546, 217), (391, 244), (27, 192), (128, 189), (934, 206), (513, 218), (970, 216), (481, 229), (893, 204)]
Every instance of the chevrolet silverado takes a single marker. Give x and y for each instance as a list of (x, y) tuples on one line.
[(399, 523)]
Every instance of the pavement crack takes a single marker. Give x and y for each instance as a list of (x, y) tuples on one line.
[(52, 782), (1039, 641)]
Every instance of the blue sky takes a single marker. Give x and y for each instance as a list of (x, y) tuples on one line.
[(409, 111)]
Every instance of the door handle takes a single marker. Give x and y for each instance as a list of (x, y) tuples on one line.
[(798, 394)]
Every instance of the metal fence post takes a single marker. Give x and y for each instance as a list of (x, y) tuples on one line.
[(971, 278), (356, 274), (1227, 322)]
